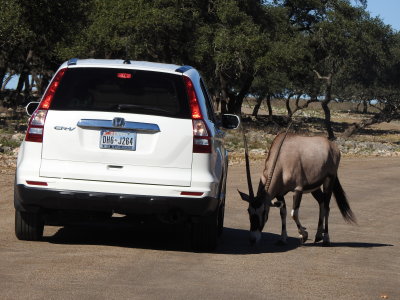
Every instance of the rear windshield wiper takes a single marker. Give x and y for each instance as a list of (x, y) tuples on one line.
[(141, 107)]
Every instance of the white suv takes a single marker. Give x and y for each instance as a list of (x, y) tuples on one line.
[(127, 137)]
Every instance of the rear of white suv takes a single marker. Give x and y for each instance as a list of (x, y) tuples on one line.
[(113, 136)]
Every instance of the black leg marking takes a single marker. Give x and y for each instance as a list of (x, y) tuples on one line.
[(295, 215), (283, 214), (320, 197)]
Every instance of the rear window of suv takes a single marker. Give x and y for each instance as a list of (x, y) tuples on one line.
[(122, 90)]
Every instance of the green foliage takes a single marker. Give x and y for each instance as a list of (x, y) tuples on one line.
[(13, 33), (246, 46), (140, 30)]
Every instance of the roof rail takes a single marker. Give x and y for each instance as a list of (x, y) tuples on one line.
[(127, 62), (72, 61), (183, 69)]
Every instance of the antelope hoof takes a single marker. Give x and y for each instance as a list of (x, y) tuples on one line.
[(303, 237), (318, 237), (326, 241)]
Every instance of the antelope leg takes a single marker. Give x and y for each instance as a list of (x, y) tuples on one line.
[(319, 196), (328, 186), (283, 214), (295, 215)]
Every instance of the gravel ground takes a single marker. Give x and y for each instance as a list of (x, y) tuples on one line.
[(110, 262)]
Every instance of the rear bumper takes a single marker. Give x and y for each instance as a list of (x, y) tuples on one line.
[(42, 199)]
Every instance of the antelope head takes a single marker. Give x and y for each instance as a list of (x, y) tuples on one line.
[(259, 204), (258, 214)]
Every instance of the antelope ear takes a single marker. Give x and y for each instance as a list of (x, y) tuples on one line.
[(244, 196)]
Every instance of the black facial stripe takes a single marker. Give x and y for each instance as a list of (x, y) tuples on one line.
[(254, 223)]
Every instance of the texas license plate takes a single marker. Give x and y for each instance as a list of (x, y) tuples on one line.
[(119, 140)]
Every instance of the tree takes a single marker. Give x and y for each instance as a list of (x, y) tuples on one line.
[(13, 36), (385, 85), (30, 32), (159, 31), (231, 38), (332, 29)]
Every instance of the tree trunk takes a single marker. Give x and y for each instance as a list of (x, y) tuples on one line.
[(287, 102), (217, 101), (44, 82), (36, 80), (327, 111), (3, 71), (2, 76), (27, 85), (358, 106), (21, 82), (224, 94), (270, 113), (365, 106), (386, 115), (22, 78), (257, 106), (224, 106), (325, 103), (357, 126), (231, 105), (328, 123), (236, 101)]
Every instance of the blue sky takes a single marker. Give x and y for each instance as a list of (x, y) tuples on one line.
[(388, 10)]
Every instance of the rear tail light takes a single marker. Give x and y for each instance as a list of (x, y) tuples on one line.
[(36, 122), (192, 193), (201, 138), (41, 183), (36, 126), (193, 102), (201, 134)]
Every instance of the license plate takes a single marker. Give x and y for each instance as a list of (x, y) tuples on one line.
[(119, 140)]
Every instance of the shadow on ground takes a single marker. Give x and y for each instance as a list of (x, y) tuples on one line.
[(351, 245), (175, 238)]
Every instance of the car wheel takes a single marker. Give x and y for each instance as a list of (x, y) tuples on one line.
[(205, 233), (28, 226)]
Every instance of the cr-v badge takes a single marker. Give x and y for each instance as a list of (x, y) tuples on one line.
[(64, 128)]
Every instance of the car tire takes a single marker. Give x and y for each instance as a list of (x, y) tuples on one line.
[(204, 233), (28, 226)]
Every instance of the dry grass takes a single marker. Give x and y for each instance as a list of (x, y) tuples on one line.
[(377, 140)]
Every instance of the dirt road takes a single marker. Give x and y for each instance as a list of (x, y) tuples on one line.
[(150, 262)]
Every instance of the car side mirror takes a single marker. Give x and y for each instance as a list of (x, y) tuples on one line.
[(230, 121), (31, 107)]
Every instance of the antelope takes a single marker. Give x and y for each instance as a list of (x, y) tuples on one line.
[(297, 164)]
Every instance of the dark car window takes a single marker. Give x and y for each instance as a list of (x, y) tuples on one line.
[(122, 90), (209, 104)]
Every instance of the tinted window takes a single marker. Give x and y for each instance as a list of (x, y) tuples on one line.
[(209, 103), (121, 90)]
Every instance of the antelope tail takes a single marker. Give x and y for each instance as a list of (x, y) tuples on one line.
[(343, 203)]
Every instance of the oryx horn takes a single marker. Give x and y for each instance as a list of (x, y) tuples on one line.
[(246, 153)]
